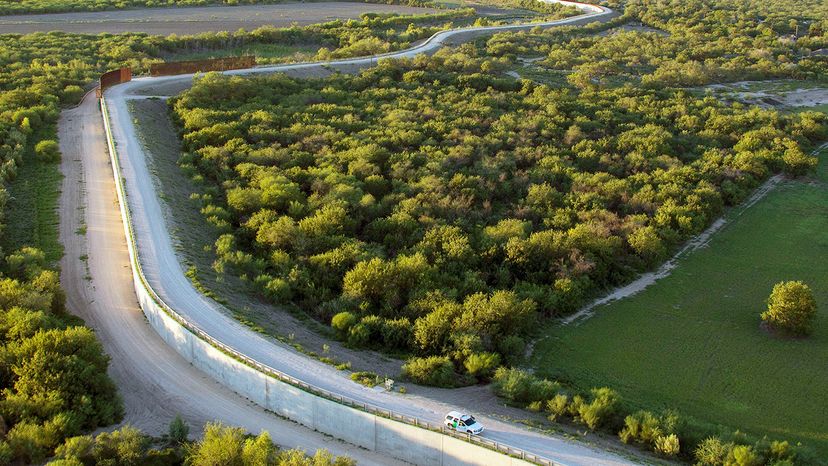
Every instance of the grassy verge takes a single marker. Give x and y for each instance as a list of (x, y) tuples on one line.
[(692, 341), (31, 214)]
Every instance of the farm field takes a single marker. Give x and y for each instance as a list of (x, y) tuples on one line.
[(194, 20), (692, 341)]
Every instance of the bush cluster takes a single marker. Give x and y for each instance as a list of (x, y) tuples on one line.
[(667, 434), (219, 445)]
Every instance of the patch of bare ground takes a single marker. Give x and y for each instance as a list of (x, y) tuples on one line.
[(633, 26)]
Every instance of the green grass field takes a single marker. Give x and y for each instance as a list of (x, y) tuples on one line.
[(692, 341), (31, 216)]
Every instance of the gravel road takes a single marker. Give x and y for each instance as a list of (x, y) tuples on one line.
[(166, 275), (193, 20)]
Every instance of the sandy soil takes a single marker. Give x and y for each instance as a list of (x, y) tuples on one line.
[(154, 381), (805, 96), (193, 20)]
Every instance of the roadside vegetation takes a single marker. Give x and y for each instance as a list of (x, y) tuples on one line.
[(218, 445)]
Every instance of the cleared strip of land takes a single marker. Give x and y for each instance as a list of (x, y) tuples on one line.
[(195, 20)]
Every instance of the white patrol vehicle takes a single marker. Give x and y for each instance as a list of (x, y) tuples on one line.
[(463, 423)]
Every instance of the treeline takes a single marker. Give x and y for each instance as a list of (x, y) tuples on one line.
[(434, 208), (666, 433), (697, 43), (219, 445)]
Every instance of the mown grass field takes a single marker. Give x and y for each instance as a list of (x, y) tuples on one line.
[(692, 341)]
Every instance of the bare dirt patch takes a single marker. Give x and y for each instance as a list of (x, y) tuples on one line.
[(182, 21)]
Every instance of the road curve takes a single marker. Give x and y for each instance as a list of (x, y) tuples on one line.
[(165, 274), (155, 381)]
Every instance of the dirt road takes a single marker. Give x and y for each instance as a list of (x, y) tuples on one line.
[(155, 382), (193, 20)]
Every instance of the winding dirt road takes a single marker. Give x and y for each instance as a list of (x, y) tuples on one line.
[(164, 383)]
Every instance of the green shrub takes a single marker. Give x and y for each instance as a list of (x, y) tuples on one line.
[(712, 452), (542, 390), (437, 371), (641, 427), (535, 406), (519, 386), (791, 308), (598, 411), (178, 431), (342, 323), (359, 335), (557, 406), (396, 333), (742, 455), (575, 406), (482, 365), (667, 445), (72, 93), (47, 150), (512, 384), (512, 348), (367, 378)]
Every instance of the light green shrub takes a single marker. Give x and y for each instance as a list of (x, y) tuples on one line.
[(437, 371), (667, 445)]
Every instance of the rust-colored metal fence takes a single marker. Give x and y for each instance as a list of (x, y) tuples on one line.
[(112, 78), (196, 66)]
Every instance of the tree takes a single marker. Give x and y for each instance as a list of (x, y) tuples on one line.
[(221, 445), (178, 431), (791, 308)]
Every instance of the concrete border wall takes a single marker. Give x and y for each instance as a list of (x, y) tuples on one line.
[(401, 437)]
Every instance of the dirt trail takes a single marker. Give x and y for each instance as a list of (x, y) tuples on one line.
[(155, 382)]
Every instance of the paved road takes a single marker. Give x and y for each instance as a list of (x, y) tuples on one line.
[(166, 275), (193, 20), (155, 382)]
